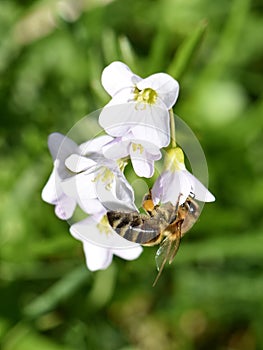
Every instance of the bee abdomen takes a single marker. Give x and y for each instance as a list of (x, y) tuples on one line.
[(136, 227)]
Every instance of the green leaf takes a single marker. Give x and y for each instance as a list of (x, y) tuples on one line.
[(58, 292), (186, 52), (22, 337)]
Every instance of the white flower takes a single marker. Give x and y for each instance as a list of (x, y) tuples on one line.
[(137, 104), (97, 178), (60, 148), (101, 242), (177, 182), (66, 198), (142, 153)]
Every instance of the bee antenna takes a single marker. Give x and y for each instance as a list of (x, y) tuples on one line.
[(192, 195)]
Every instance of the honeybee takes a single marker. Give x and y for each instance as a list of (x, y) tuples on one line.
[(162, 224)]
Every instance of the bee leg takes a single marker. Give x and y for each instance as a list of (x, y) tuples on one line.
[(176, 230)]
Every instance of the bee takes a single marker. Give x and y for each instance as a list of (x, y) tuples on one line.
[(162, 224)]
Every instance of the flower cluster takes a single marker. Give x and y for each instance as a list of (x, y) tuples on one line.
[(91, 175)]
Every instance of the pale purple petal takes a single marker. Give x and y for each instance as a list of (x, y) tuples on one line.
[(117, 76), (77, 163), (147, 122), (65, 207), (200, 192), (142, 164), (123, 189), (166, 87), (115, 197), (90, 206), (152, 150), (90, 231), (80, 187), (117, 120), (181, 187), (52, 189), (95, 145), (117, 149), (171, 186), (61, 146), (97, 258), (126, 95), (128, 254), (160, 187), (153, 126)]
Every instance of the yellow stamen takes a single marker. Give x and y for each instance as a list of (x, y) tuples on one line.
[(104, 226), (122, 164), (137, 147), (106, 176), (146, 96)]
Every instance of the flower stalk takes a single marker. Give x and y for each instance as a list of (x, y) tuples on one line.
[(172, 131)]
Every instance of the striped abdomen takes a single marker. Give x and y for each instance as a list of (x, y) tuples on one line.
[(141, 228)]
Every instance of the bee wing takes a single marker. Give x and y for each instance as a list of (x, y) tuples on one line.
[(162, 256), (167, 252)]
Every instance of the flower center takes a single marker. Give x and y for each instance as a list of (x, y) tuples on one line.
[(106, 176), (137, 147), (104, 226), (145, 96)]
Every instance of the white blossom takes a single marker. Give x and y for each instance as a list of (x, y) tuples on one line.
[(99, 178), (177, 182), (137, 104), (101, 242), (142, 153), (60, 148)]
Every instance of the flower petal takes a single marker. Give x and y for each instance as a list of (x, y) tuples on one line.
[(166, 87), (117, 76), (123, 189), (80, 187), (115, 197), (126, 95), (116, 149), (142, 165), (97, 258), (94, 145), (77, 163), (101, 235), (170, 186), (152, 150), (117, 120), (128, 254), (61, 146), (200, 191), (147, 122), (65, 207), (52, 190)]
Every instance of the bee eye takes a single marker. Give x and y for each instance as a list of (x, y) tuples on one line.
[(191, 209), (189, 206)]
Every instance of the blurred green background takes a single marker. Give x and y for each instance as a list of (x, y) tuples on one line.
[(52, 54)]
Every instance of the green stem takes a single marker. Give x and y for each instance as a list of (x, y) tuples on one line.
[(172, 126)]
